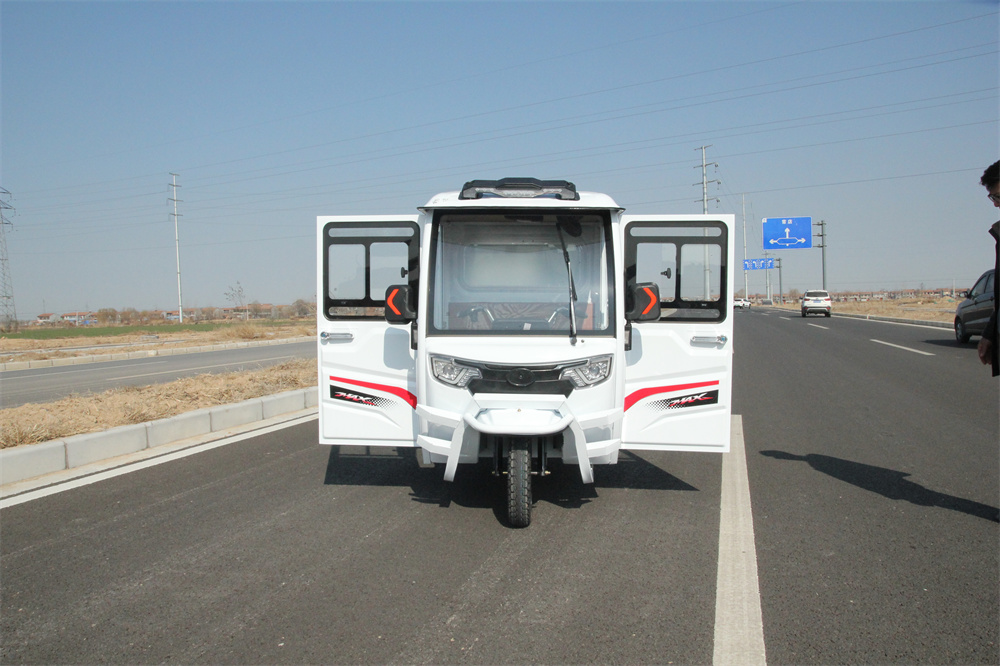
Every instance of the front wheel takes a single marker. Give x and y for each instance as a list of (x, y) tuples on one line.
[(961, 333), (519, 483)]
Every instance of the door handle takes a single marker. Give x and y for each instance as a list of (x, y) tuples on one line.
[(342, 336), (719, 340)]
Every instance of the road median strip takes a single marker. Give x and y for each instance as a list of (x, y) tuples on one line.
[(33, 460)]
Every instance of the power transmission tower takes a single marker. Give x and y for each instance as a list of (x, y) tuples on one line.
[(177, 242), (8, 315), (704, 209), (822, 236), (704, 179)]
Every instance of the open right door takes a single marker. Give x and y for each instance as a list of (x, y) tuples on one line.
[(679, 369)]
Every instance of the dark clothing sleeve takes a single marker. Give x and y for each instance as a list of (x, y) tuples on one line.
[(991, 327)]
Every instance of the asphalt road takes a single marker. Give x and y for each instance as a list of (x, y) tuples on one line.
[(874, 480), (48, 384)]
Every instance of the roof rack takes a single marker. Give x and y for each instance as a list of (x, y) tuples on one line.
[(519, 188)]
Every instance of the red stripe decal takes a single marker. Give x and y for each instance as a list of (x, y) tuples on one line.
[(635, 397), (395, 390)]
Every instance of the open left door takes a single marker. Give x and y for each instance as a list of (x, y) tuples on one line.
[(367, 373), (679, 368)]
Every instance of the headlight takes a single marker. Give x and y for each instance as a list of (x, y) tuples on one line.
[(450, 372), (594, 371)]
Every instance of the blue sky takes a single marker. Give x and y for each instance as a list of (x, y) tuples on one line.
[(877, 118)]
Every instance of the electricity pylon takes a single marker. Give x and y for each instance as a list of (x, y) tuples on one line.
[(8, 314)]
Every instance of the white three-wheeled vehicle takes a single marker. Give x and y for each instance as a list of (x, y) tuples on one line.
[(521, 321)]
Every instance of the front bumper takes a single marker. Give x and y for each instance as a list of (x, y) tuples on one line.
[(518, 415)]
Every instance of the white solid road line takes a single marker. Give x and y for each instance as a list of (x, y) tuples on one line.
[(818, 326), (915, 351), (739, 627)]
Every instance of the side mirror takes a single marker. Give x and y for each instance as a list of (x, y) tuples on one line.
[(644, 302), (399, 308)]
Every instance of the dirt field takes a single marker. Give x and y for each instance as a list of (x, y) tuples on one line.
[(931, 309), (14, 349)]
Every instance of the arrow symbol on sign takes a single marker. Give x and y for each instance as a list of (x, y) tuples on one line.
[(787, 240)]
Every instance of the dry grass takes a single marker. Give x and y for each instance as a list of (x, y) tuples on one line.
[(32, 350), (79, 414)]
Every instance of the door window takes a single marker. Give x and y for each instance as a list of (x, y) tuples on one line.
[(687, 260), (361, 260)]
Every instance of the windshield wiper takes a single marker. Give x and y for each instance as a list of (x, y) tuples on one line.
[(572, 285)]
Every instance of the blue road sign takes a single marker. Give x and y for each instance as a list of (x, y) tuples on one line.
[(787, 233), (758, 264)]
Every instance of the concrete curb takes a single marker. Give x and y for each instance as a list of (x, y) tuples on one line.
[(147, 353), (897, 320), (25, 462)]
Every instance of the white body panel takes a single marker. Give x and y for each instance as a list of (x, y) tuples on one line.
[(678, 375), (367, 381)]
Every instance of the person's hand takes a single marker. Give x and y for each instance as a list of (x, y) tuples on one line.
[(985, 346)]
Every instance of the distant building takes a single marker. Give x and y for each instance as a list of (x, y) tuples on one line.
[(48, 318), (79, 318)]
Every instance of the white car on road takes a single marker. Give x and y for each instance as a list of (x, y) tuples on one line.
[(816, 301)]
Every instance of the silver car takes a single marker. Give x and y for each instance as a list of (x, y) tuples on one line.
[(972, 314)]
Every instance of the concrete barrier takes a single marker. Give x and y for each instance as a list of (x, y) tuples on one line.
[(94, 446), (25, 462), (176, 428)]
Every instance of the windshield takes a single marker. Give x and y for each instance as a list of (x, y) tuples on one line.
[(513, 273)]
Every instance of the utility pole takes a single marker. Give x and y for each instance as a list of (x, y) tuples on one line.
[(704, 179), (746, 287), (704, 210), (767, 280), (8, 314), (822, 236), (177, 243), (781, 286)]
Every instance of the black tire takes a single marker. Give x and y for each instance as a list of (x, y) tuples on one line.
[(519, 483), (827, 314), (961, 333)]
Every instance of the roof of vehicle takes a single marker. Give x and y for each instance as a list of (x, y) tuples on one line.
[(521, 193)]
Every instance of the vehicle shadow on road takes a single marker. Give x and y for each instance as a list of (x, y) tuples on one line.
[(952, 343), (475, 486), (888, 483)]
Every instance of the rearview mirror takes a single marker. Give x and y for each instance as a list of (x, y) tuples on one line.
[(399, 307), (643, 302)]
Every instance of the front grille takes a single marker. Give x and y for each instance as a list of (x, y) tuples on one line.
[(526, 379)]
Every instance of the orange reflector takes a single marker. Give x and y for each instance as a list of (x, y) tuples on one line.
[(652, 299), (388, 302)]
